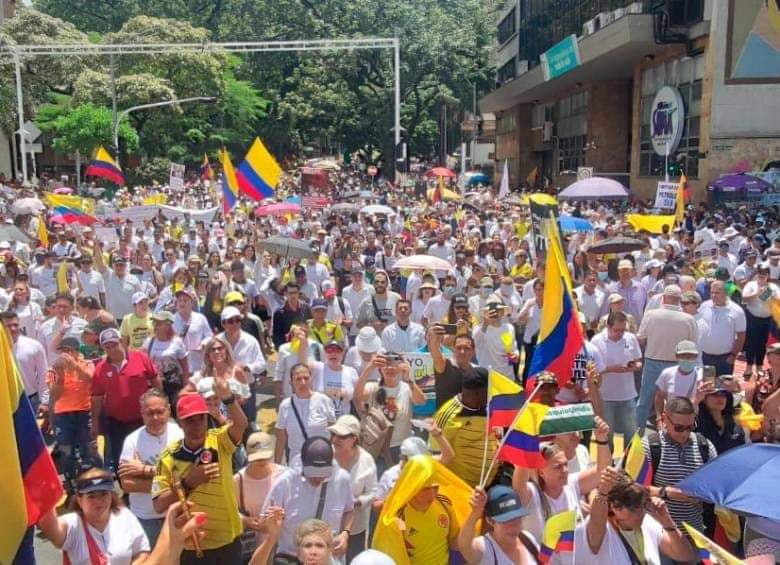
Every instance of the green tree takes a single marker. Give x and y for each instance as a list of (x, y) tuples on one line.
[(83, 128)]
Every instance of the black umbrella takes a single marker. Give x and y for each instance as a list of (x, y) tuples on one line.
[(618, 244), (289, 247)]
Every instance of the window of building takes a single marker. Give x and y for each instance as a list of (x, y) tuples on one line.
[(571, 129), (506, 72), (506, 123), (507, 27), (686, 75)]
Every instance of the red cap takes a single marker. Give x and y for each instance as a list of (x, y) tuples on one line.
[(191, 404), (330, 293)]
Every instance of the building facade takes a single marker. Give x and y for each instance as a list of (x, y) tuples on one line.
[(633, 90)]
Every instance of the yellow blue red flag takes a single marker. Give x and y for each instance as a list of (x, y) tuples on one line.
[(29, 485), (558, 535), (229, 183), (710, 552), (521, 445), (206, 172), (637, 462), (104, 166), (560, 332), (505, 398), (259, 174)]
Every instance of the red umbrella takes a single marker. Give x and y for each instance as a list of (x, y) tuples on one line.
[(440, 172)]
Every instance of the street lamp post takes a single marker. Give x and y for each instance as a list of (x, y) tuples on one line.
[(124, 113)]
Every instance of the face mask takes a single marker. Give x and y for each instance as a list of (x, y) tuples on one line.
[(449, 291), (603, 276), (506, 289), (485, 291), (686, 365)]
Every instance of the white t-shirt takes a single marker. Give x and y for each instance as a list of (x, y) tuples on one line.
[(612, 549), (339, 386), (92, 283), (145, 447), (316, 412), (198, 330), (165, 354), (674, 383), (569, 499), (121, 540), (397, 408), (617, 387), (760, 306)]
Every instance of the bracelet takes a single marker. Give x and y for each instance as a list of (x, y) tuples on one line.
[(229, 400), (671, 529), (599, 442), (346, 530)]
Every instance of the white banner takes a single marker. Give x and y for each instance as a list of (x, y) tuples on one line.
[(666, 196), (176, 180), (140, 213)]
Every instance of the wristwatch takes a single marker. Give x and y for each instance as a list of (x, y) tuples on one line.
[(229, 400), (663, 494)]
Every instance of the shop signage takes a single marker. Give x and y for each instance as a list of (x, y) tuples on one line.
[(667, 118), (561, 58), (666, 196)]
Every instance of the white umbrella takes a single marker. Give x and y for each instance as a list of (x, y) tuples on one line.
[(28, 206), (377, 209), (428, 262), (594, 188)]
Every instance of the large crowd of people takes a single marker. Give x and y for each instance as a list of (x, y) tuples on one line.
[(208, 400)]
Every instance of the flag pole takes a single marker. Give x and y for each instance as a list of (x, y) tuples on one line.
[(503, 439), (485, 447)]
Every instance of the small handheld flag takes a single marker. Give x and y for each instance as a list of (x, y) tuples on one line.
[(558, 535), (259, 174), (637, 462), (229, 183), (62, 278), (521, 445), (505, 398), (206, 172), (43, 233), (709, 552), (104, 166)]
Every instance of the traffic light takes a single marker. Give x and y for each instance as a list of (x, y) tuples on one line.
[(674, 169)]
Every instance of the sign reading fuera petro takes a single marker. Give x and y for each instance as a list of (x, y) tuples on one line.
[(667, 119)]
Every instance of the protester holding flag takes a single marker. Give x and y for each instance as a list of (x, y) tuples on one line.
[(507, 543), (555, 489), (626, 526)]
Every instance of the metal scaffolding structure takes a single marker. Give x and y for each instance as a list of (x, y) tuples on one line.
[(17, 53)]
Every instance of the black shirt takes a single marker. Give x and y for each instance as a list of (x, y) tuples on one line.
[(448, 383), (284, 318)]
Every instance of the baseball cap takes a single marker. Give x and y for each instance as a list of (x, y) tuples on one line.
[(503, 504), (230, 312), (346, 425), (69, 343), (162, 316), (333, 343), (625, 264), (460, 300), (109, 335), (190, 405), (317, 457), (475, 379), (138, 297), (260, 446), (187, 291), (614, 297), (319, 304), (686, 347), (205, 387), (234, 296), (119, 259), (102, 482)]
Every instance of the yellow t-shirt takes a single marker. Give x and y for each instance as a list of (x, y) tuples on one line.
[(526, 271), (327, 333), (216, 498), (136, 329), (428, 535)]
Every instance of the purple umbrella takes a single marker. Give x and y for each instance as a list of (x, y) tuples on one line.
[(594, 188), (740, 182)]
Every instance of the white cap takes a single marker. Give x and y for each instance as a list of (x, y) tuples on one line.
[(231, 312), (138, 297), (205, 387), (372, 557), (367, 341)]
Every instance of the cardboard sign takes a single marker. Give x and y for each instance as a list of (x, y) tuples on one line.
[(176, 180), (566, 419), (106, 235), (666, 195)]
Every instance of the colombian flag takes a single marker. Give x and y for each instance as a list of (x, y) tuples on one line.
[(77, 203), (29, 485), (259, 174), (637, 462), (558, 535), (206, 172), (708, 549), (505, 399), (229, 183), (438, 192), (560, 333), (104, 166), (63, 214), (521, 444)]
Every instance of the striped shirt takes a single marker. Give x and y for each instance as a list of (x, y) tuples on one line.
[(678, 462), (465, 429)]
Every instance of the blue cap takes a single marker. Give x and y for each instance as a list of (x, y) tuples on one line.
[(503, 504), (319, 303)]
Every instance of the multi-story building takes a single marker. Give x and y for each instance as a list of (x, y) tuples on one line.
[(633, 89)]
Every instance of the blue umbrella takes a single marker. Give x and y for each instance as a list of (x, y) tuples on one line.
[(744, 479), (740, 183), (294, 200), (570, 224), (479, 178)]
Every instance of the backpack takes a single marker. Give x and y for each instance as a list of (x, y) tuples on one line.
[(654, 441), (375, 431)]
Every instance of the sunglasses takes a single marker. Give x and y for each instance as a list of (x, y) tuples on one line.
[(680, 428), (232, 321)]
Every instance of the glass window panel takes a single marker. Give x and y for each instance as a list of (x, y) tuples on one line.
[(698, 67)]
